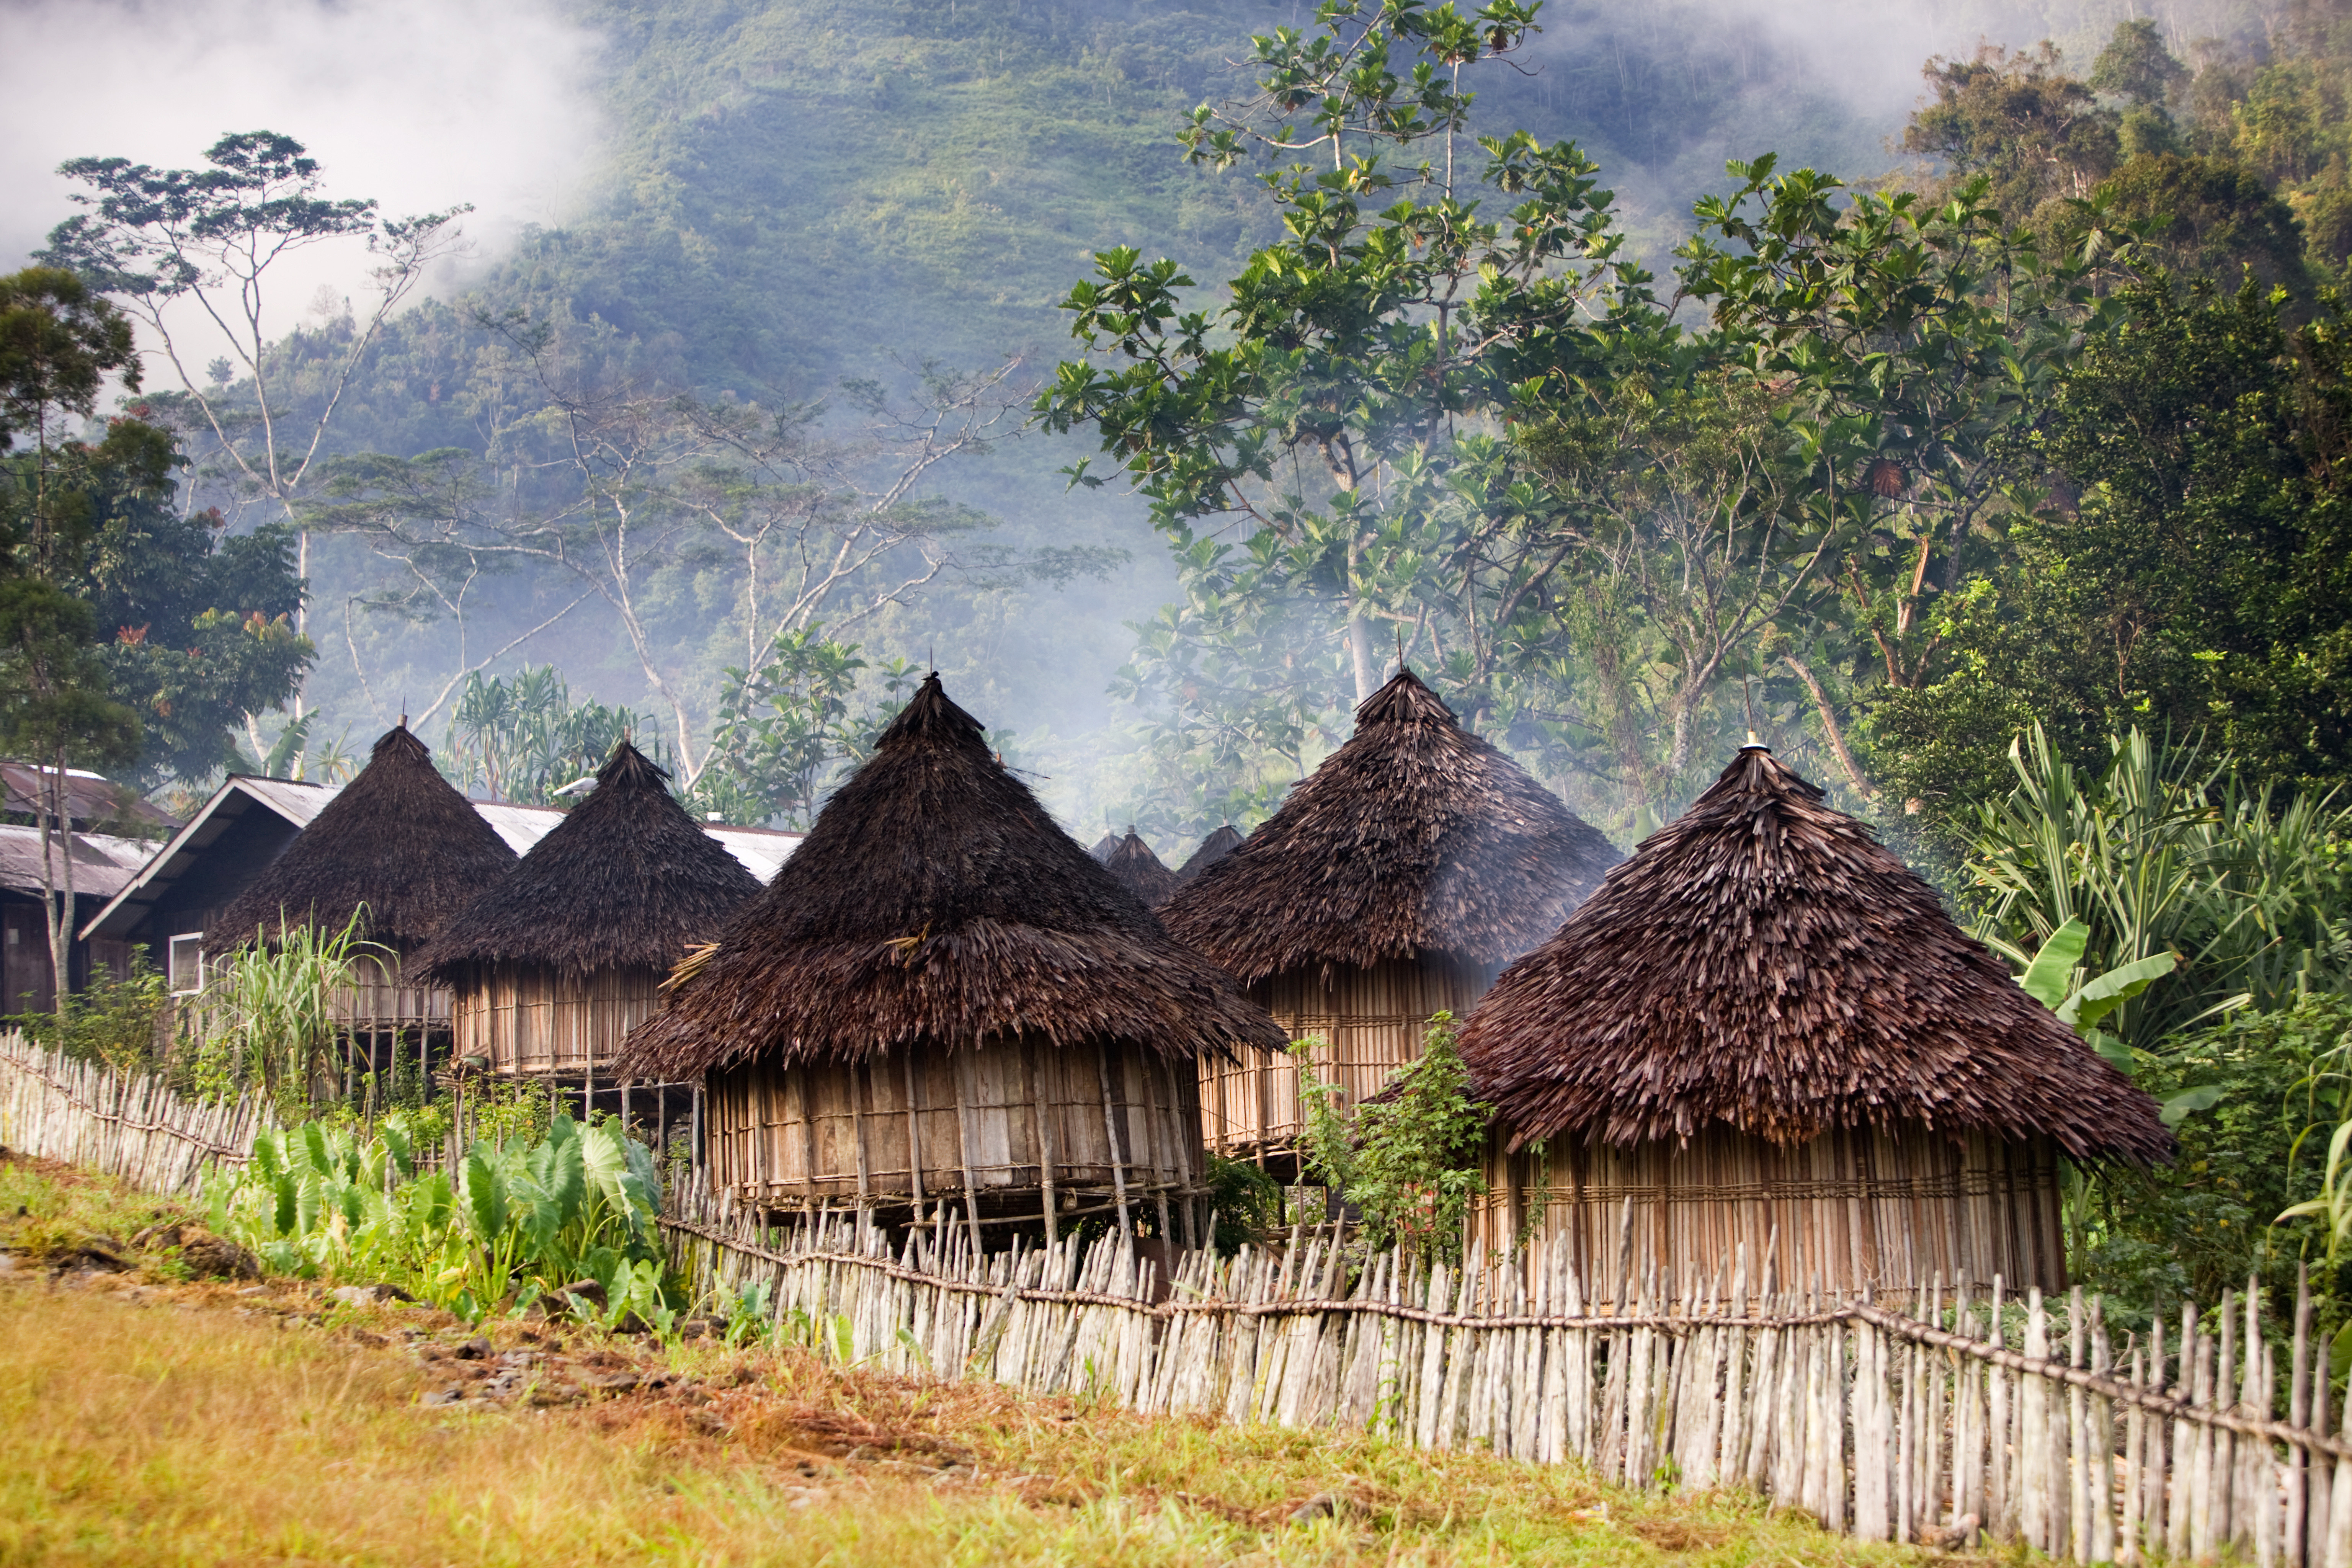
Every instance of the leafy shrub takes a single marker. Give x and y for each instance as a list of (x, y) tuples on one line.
[(1410, 1163), (111, 1020), (1245, 1204), (516, 1222)]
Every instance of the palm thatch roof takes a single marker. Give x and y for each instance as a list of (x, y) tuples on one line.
[(935, 903), (1765, 963), (627, 880), (399, 839), (1135, 868), (1214, 848), (1415, 835), (1105, 848)]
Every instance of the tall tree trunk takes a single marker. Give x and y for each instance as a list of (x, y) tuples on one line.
[(58, 903), (1830, 727)]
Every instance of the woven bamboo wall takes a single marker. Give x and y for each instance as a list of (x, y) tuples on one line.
[(1007, 1119), (532, 1021), (1890, 1210), (1371, 1022)]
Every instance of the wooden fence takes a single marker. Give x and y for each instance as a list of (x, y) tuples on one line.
[(1954, 1418), (127, 1125), (1939, 1421)]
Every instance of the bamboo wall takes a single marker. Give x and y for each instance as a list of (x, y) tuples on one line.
[(1888, 1210), (1370, 1023), (530, 1021), (1016, 1122)]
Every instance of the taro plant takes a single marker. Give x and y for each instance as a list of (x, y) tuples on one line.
[(512, 1224)]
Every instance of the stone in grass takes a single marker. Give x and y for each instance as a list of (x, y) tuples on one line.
[(368, 1295), (210, 1256)]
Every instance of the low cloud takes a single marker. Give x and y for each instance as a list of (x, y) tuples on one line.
[(421, 104)]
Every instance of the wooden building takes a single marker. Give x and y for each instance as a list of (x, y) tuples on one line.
[(1214, 848), (400, 843), (1767, 1035), (1391, 886), (1135, 868), (552, 966), (101, 864), (943, 1007)]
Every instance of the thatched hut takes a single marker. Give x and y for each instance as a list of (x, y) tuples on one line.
[(1105, 848), (1765, 1032), (1214, 848), (399, 842), (1134, 867), (1392, 885), (942, 995), (557, 961)]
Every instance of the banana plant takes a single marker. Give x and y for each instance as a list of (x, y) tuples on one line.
[(2048, 979)]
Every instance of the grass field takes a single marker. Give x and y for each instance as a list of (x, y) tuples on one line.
[(148, 1420)]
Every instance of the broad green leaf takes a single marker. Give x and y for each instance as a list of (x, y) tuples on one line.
[(2045, 978), (2182, 1106), (485, 1196), (2110, 991), (2118, 1054)]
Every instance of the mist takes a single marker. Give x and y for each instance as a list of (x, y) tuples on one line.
[(421, 104)]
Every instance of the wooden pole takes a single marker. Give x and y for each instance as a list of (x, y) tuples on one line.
[(1111, 1130)]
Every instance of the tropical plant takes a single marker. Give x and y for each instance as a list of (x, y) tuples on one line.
[(113, 1019), (1408, 1159), (268, 1016), (515, 1223), (2167, 852)]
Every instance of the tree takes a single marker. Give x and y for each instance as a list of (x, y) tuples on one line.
[(163, 240), (2189, 571), (58, 346), (1301, 446), (2016, 119)]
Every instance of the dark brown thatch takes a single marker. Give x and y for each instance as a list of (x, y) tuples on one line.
[(1214, 848), (1764, 963), (399, 838), (627, 880), (1105, 848), (935, 903), (1139, 871), (1416, 835)]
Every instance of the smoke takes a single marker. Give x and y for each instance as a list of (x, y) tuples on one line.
[(421, 104)]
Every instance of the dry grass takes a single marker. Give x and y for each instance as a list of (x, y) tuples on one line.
[(167, 1424)]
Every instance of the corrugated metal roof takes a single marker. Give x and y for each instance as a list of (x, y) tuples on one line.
[(89, 797), (761, 849), (101, 864)]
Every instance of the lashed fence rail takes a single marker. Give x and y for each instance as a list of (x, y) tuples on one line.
[(129, 1125), (1949, 1417), (1924, 1423)]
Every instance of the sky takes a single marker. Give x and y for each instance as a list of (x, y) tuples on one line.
[(421, 104)]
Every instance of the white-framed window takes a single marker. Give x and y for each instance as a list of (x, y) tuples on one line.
[(184, 963)]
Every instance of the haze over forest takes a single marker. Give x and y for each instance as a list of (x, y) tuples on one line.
[(775, 204)]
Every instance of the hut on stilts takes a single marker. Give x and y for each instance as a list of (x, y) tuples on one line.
[(1764, 1041), (552, 966), (403, 850), (1389, 886), (1214, 848), (1134, 867), (941, 1003)]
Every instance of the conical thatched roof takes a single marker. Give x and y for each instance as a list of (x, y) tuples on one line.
[(1135, 868), (935, 903), (1764, 961), (399, 838), (1415, 835), (1105, 848), (1214, 848), (627, 880)]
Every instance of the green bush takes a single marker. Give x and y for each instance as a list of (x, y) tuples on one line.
[(1410, 1160), (113, 1021), (2280, 1083)]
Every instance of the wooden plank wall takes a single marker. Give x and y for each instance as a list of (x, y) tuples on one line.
[(532, 1021), (1367, 1023), (1882, 1210), (1018, 1117)]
